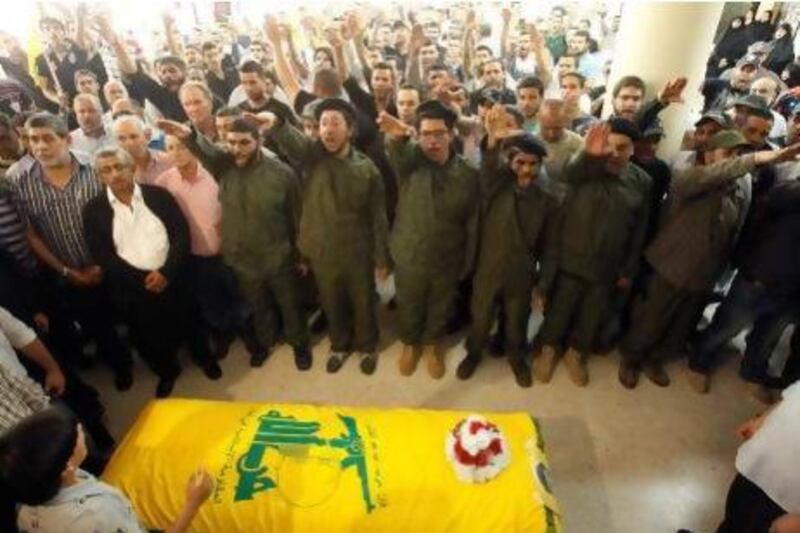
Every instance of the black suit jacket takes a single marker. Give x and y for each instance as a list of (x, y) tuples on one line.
[(98, 229)]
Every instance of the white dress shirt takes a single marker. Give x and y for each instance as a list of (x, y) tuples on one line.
[(139, 236)]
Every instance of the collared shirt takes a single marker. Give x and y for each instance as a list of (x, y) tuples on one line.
[(14, 334), (20, 397), (139, 236), (12, 233), (198, 199), (21, 165), (57, 214), (80, 142), (159, 163), (89, 505)]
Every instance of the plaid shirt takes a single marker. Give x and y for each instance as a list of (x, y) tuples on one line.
[(57, 214), (20, 397)]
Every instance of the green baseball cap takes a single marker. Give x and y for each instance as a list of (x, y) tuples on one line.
[(727, 139)]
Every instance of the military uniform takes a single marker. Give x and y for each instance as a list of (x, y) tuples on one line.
[(603, 226), (514, 230), (708, 206), (343, 233), (260, 215), (434, 240)]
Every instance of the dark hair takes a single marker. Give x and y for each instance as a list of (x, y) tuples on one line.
[(209, 45), (577, 75), (625, 127), (794, 75), (787, 28), (19, 119), (35, 452), (484, 47), (252, 67), (5, 121), (426, 42), (327, 77), (440, 67), (435, 110), (519, 119), (493, 60), (327, 51), (382, 65), (560, 9), (48, 121), (192, 46), (84, 72), (410, 87), (525, 143), (582, 33), (763, 113), (628, 81), (228, 111), (531, 82), (244, 125), (576, 58), (50, 21), (338, 105), (172, 60)]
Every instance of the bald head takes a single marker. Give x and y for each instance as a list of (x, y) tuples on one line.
[(552, 120), (132, 134)]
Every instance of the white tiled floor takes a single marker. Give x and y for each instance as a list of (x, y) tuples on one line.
[(648, 460)]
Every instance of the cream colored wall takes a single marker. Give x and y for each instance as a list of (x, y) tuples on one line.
[(662, 40)]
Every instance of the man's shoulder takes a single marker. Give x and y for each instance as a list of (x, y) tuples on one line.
[(637, 176)]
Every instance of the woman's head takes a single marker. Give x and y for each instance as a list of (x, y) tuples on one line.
[(784, 30), (37, 454)]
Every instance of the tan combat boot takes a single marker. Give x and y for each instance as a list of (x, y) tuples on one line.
[(434, 359), (408, 359), (544, 364), (576, 366)]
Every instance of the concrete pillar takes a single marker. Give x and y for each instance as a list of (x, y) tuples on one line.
[(658, 41)]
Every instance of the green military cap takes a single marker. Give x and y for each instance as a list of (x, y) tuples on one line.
[(727, 139)]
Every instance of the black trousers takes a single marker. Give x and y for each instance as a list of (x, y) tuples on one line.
[(160, 323), (92, 309), (748, 509)]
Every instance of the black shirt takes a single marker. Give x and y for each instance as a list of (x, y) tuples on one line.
[(142, 87), (75, 59)]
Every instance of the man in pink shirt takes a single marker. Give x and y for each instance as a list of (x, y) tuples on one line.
[(196, 192)]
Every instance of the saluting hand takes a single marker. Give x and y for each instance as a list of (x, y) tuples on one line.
[(266, 120), (176, 129), (596, 141), (393, 126), (672, 93)]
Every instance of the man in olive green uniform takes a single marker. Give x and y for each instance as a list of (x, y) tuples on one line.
[(261, 206), (343, 228), (434, 236), (690, 251), (517, 213), (603, 224)]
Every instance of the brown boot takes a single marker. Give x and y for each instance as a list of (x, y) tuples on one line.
[(761, 393), (655, 372), (544, 364), (701, 383), (628, 374), (434, 359), (576, 366), (408, 359)]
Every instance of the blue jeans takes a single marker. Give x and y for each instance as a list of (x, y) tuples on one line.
[(747, 304)]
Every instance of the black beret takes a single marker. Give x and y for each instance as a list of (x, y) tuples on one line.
[(622, 126), (526, 143), (335, 104)]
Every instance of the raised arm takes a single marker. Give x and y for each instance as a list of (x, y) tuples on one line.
[(299, 66), (173, 42), (210, 155), (587, 163), (282, 69), (400, 150), (505, 46), (337, 43), (126, 63), (541, 55), (413, 69)]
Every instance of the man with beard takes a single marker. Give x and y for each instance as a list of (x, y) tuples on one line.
[(530, 92), (518, 212), (260, 214), (343, 228), (171, 73)]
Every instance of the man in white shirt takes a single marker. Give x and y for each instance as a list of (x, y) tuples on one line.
[(139, 236), (765, 495), (91, 135)]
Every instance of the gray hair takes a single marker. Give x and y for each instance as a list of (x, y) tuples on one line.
[(135, 119), (89, 98), (48, 121), (113, 151)]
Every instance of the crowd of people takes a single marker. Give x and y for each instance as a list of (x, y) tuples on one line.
[(268, 184)]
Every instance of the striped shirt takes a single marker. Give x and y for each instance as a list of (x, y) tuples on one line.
[(20, 397), (12, 233), (57, 214)]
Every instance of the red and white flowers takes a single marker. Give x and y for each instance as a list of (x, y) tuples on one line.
[(477, 450)]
